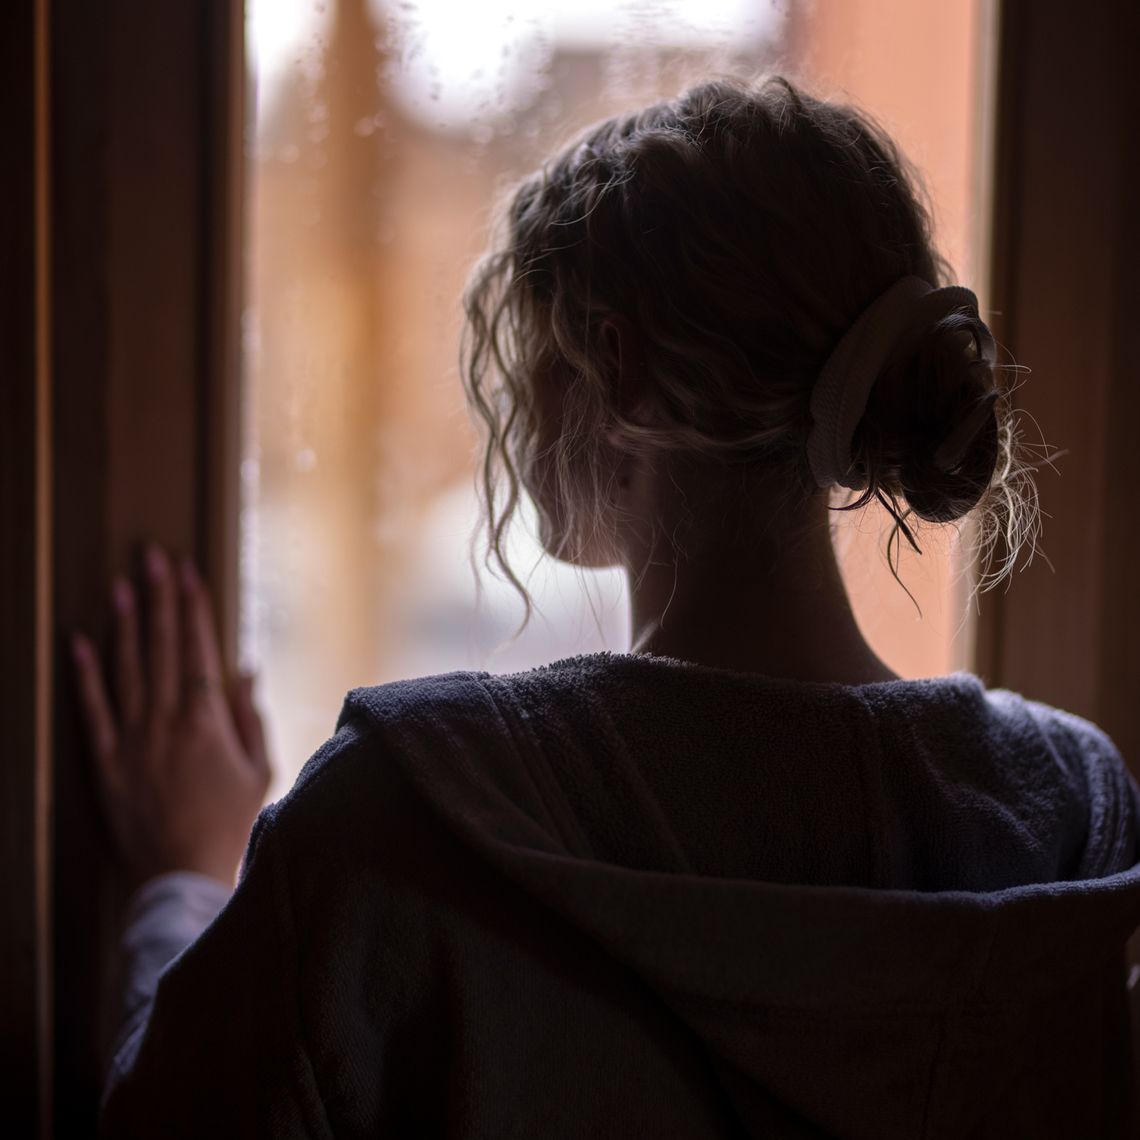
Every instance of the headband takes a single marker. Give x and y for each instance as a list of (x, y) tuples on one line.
[(840, 395)]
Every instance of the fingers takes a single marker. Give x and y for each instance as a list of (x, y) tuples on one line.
[(128, 671), (182, 644), (97, 717), (165, 670), (201, 656)]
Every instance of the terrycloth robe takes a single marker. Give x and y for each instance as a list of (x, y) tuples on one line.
[(627, 896)]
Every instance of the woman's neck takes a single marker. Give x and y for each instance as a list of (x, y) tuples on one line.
[(776, 607)]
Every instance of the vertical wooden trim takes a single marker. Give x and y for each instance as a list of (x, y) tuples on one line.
[(44, 586), (82, 295), (83, 904), (985, 81), (1003, 227), (1119, 619), (218, 539), (25, 629), (987, 50)]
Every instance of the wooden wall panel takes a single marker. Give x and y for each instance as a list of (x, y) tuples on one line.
[(145, 149)]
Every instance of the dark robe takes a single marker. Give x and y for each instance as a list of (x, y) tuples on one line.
[(626, 896)]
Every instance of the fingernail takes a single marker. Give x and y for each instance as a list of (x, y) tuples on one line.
[(155, 562), (80, 648), (121, 595)]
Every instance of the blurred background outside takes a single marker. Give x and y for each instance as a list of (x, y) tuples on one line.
[(383, 132)]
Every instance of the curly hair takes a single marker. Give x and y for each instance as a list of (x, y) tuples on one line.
[(741, 229)]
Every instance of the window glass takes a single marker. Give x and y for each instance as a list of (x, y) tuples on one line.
[(382, 135)]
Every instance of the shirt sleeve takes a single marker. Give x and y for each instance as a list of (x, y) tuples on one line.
[(164, 916), (221, 1050)]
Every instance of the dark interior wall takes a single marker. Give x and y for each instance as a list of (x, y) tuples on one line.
[(1066, 243)]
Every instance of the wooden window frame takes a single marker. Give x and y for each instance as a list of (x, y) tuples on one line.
[(1066, 241), (119, 422), (25, 585)]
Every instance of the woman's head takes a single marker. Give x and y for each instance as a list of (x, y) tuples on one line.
[(670, 287)]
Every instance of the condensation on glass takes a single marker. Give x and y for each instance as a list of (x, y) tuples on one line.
[(383, 133)]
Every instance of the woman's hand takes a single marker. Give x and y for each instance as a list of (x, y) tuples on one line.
[(182, 767)]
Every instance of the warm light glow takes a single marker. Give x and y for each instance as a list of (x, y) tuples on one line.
[(277, 32), (453, 61)]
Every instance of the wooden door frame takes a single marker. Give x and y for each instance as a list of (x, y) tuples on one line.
[(25, 578), (1065, 245), (119, 342)]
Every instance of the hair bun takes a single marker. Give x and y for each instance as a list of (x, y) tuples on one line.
[(930, 434)]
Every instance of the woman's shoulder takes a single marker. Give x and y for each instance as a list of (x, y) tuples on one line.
[(381, 728), (1085, 757), (374, 719), (997, 710), (1027, 727), (478, 702), (1074, 738), (404, 737)]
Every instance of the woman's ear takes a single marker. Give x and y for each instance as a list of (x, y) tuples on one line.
[(626, 348)]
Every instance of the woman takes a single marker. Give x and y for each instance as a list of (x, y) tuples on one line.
[(739, 881)]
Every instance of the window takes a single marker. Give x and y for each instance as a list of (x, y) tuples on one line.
[(383, 135)]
